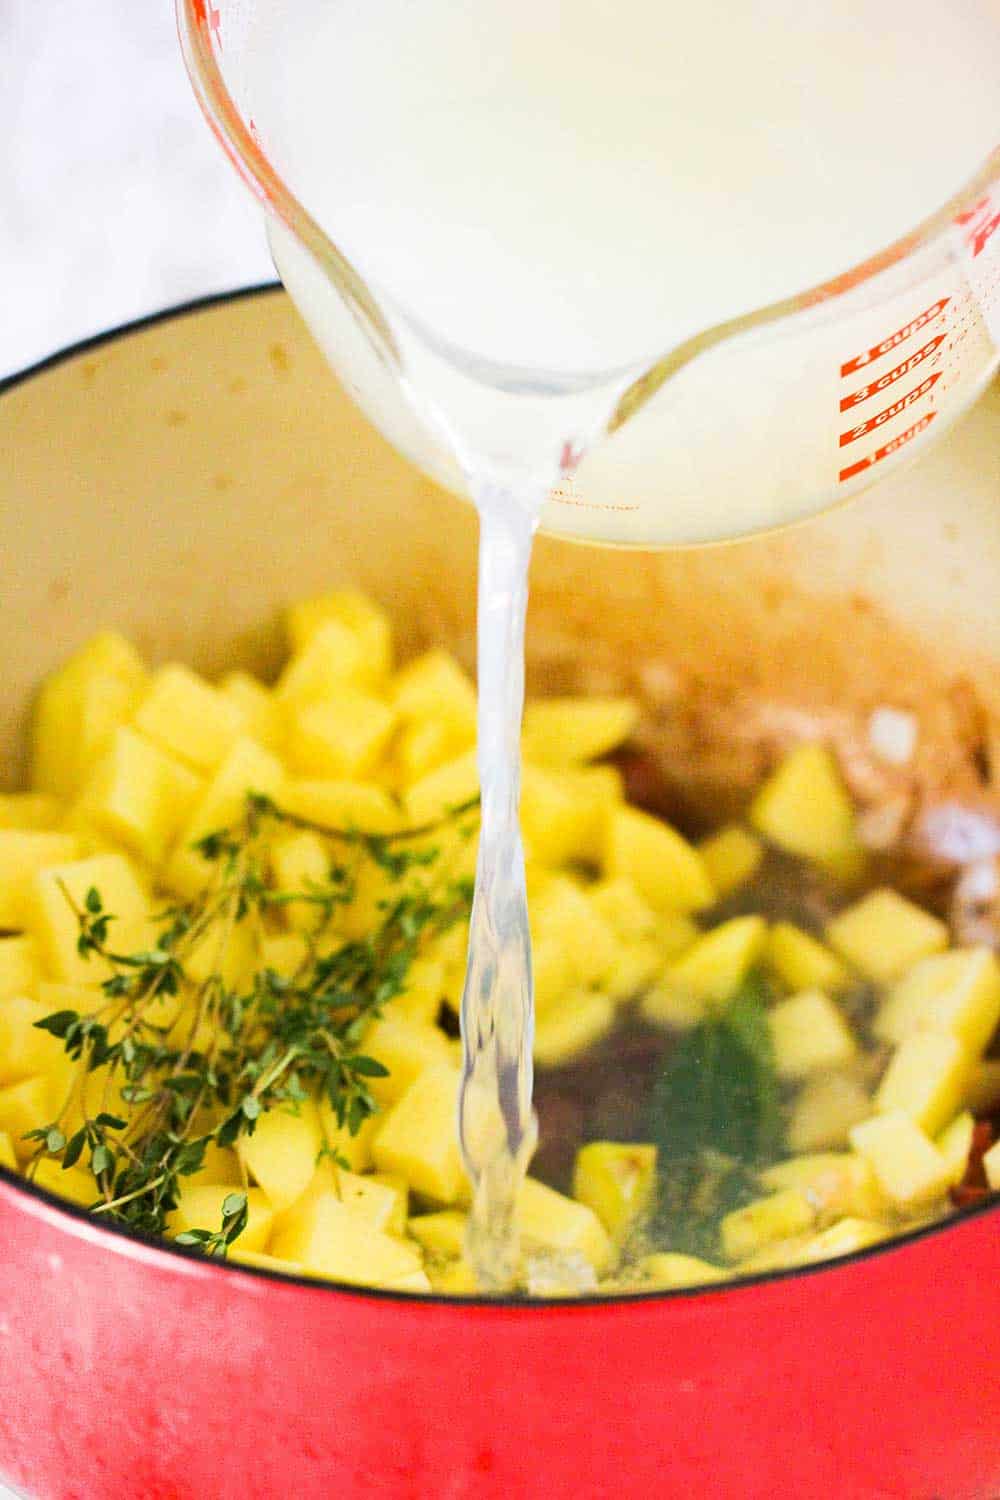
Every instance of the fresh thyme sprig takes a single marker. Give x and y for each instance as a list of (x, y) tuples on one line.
[(181, 1062)]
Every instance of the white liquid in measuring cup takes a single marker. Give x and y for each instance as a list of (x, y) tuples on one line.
[(543, 196)]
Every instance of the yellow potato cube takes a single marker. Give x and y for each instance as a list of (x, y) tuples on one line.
[(955, 1143), (400, 1189), (353, 806), (434, 686), (20, 967), (74, 1184), (353, 1149), (669, 1270), (24, 1049), (567, 1031), (54, 924), (355, 611), (926, 1079), (78, 707), (418, 1138), (883, 935), (200, 1207), (328, 1238), (442, 790), (189, 718), (7, 1157), (564, 913), (732, 857), (140, 796), (618, 1182), (29, 810), (258, 708), (804, 808), (28, 1105), (23, 852), (991, 1166), (331, 662), (846, 1238), (715, 966), (547, 1220), (835, 1182), (909, 1168), (803, 963), (343, 735), (809, 1035), (664, 868), (825, 1109), (746, 1230), (562, 731), (957, 992), (442, 1234), (982, 1092), (247, 768), (406, 1048), (282, 1152)]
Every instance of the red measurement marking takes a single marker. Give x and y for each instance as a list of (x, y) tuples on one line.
[(891, 376), (891, 447), (894, 339), (853, 433), (982, 223)]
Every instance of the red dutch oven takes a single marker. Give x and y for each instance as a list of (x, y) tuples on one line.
[(181, 480)]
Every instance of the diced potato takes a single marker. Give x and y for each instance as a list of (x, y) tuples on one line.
[(926, 1079), (260, 1261), (847, 1237), (825, 1109), (803, 963), (258, 707), (442, 1234), (804, 808), (908, 1166), (883, 935), (418, 1138), (617, 1182), (835, 1182), (732, 857), (281, 1153), (139, 795), (991, 1166), (53, 922), (350, 608), (715, 966), (982, 1092), (664, 868), (425, 989), (300, 862), (747, 1230), (328, 1238), (24, 1049), (955, 1143), (359, 806), (406, 1048), (7, 1157), (343, 735), (28, 1105), (75, 1184), (331, 662), (562, 731), (442, 790), (29, 810), (399, 1187), (564, 913), (810, 1035), (189, 718), (434, 686), (549, 1221), (200, 1207), (247, 768), (20, 968), (77, 709), (567, 1030), (957, 992), (23, 852), (669, 1270), (354, 1149)]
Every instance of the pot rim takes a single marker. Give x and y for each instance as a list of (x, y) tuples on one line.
[(73, 1215)]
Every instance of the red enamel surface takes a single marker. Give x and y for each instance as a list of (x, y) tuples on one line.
[(129, 1373)]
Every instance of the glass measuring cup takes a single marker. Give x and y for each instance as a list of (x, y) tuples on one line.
[(751, 423)]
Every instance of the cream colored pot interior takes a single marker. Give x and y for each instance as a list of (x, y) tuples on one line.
[(182, 482)]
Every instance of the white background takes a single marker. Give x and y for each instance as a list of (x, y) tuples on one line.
[(114, 197)]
